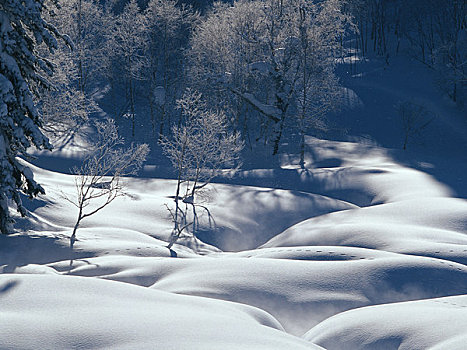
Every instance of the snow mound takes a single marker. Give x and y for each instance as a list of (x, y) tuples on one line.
[(85, 313), (435, 227), (426, 324), (228, 217), (302, 293), (299, 293)]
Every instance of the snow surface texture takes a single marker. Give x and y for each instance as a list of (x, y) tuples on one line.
[(360, 250)]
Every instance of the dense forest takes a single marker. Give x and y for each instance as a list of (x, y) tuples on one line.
[(269, 65)]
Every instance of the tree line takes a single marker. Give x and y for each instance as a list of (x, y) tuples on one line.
[(431, 31), (268, 64), (258, 61)]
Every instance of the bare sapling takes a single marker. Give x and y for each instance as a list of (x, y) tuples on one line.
[(199, 150), (415, 119), (99, 180)]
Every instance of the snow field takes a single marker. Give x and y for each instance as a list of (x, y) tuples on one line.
[(360, 250), (324, 257)]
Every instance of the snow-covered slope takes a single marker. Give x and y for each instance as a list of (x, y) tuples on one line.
[(52, 312), (438, 323), (365, 248)]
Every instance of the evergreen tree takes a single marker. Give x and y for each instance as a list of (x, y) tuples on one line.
[(22, 73)]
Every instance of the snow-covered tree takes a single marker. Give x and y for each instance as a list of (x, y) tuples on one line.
[(317, 87), (265, 56), (64, 107), (223, 47), (83, 21), (199, 149), (169, 29), (22, 73), (127, 38)]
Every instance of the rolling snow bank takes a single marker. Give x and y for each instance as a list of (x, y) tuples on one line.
[(64, 312), (425, 324), (356, 251)]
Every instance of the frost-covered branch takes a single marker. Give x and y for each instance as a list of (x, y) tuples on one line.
[(269, 111), (199, 149), (99, 179)]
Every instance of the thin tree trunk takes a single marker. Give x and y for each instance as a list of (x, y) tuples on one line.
[(73, 239), (153, 117), (132, 108), (162, 122), (80, 63), (302, 148), (279, 136), (75, 228), (406, 140)]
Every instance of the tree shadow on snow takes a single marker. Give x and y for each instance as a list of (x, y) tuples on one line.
[(198, 224), (18, 250), (260, 214), (8, 286), (449, 171)]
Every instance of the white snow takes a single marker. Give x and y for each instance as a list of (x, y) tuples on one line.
[(438, 323), (52, 312), (366, 248), (269, 110)]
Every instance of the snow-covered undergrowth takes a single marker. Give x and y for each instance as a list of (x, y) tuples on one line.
[(356, 251)]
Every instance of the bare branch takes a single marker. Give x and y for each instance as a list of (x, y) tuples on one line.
[(199, 149), (99, 177)]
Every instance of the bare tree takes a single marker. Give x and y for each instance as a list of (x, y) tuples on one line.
[(99, 180), (415, 119), (199, 149), (435, 32)]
